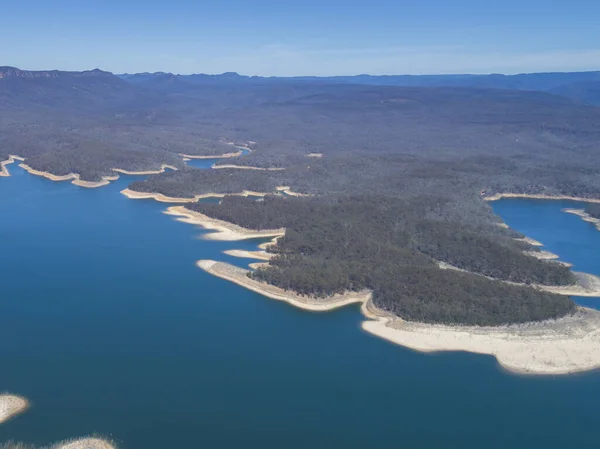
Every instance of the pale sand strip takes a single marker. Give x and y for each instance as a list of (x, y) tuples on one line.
[(566, 345), (238, 276), (260, 255), (584, 215), (162, 169), (499, 196), (563, 346), (85, 443), (587, 284), (11, 158), (11, 406), (218, 156), (171, 199), (288, 191), (74, 177), (224, 230), (76, 180), (531, 241), (246, 167)]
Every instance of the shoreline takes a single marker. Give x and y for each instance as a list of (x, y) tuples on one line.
[(162, 169), (11, 159), (258, 255), (75, 178), (11, 406), (238, 276), (499, 196), (563, 346), (245, 167), (223, 230), (217, 156), (135, 195), (584, 216), (84, 443)]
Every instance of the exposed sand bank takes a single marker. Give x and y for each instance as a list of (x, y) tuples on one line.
[(11, 406), (217, 156), (238, 276), (566, 345), (531, 241), (584, 216), (223, 230), (162, 169), (499, 196), (171, 199), (260, 255), (85, 443), (288, 191), (11, 158), (587, 285), (74, 177), (246, 167)]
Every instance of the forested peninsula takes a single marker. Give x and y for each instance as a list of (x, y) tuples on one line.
[(398, 187)]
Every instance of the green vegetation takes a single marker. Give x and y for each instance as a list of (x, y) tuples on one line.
[(593, 209), (390, 246), (399, 186)]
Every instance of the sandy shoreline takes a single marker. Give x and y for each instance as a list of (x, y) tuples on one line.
[(259, 255), (85, 443), (246, 167), (74, 177), (162, 169), (224, 231), (11, 159), (563, 346), (499, 196), (11, 406), (217, 156), (238, 276), (171, 199), (584, 216)]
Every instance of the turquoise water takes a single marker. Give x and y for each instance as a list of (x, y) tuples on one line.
[(107, 326)]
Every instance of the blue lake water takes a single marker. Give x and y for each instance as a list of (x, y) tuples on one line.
[(108, 327)]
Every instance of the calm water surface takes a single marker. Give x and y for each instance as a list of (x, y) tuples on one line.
[(107, 326)]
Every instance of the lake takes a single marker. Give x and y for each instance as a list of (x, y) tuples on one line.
[(108, 327)]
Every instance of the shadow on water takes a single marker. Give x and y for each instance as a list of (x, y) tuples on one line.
[(107, 326)]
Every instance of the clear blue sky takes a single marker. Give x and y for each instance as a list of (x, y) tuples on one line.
[(303, 37)]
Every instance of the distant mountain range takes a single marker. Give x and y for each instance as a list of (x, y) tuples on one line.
[(581, 86)]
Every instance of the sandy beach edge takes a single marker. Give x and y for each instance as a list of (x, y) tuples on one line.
[(224, 231), (85, 443), (564, 346), (75, 178), (584, 216), (11, 159), (246, 167), (162, 169), (11, 406), (133, 194), (499, 196), (217, 156)]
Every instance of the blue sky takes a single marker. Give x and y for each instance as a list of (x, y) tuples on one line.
[(303, 37)]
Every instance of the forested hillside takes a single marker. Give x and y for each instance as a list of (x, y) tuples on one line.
[(399, 184), (593, 209), (390, 245)]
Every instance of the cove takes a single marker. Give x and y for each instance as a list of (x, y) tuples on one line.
[(108, 327)]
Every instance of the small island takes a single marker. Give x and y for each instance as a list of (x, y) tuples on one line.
[(11, 406), (591, 213)]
